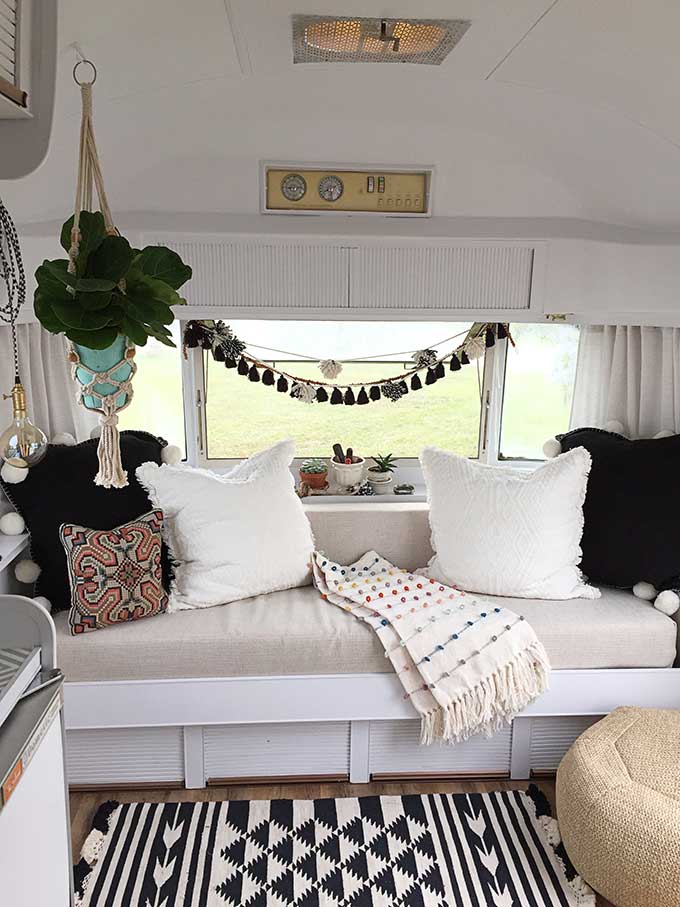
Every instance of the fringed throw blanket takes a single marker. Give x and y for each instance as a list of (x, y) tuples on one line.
[(467, 665)]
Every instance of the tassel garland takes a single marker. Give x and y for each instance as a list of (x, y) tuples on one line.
[(268, 377), (321, 395), (374, 392), (282, 385), (336, 396), (362, 397), (349, 397), (253, 374), (416, 383), (243, 367)]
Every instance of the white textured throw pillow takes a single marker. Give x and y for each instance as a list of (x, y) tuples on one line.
[(503, 531), (235, 535)]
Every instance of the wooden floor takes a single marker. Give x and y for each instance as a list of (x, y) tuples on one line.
[(84, 804)]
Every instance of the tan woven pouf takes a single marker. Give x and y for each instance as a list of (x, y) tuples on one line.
[(618, 807)]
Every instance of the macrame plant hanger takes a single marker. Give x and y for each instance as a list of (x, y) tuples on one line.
[(107, 391)]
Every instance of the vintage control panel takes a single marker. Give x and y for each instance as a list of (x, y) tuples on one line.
[(304, 189)]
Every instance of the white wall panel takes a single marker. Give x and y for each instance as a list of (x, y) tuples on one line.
[(248, 274), (125, 755), (261, 750), (434, 276), (395, 748), (552, 737)]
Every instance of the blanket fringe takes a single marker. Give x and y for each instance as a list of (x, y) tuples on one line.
[(494, 702)]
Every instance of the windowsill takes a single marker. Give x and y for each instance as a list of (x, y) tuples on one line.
[(419, 497)]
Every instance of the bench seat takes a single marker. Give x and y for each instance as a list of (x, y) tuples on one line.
[(296, 632)]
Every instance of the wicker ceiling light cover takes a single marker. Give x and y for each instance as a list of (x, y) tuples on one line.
[(350, 39)]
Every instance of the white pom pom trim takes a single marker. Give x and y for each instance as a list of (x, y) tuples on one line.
[(14, 474), (552, 448), (667, 602), (665, 433), (64, 438), (12, 524), (645, 591), (615, 426), (45, 602), (171, 455), (27, 571)]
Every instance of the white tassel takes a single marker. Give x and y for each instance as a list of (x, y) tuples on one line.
[(475, 347), (330, 368), (111, 473), (304, 392)]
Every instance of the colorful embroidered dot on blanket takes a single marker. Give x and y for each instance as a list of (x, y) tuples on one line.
[(467, 665)]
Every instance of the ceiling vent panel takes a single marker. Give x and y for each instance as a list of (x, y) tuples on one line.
[(350, 39)]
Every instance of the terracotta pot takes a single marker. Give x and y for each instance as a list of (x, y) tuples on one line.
[(314, 479)]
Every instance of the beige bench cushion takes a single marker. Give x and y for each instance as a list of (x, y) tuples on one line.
[(296, 632)]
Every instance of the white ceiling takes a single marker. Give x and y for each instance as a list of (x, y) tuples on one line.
[(545, 109)]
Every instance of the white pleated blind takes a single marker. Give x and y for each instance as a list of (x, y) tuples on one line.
[(9, 31)]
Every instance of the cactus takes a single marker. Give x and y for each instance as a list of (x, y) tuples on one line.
[(313, 466)]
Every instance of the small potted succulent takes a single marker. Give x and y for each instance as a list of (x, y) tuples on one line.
[(314, 473), (380, 475)]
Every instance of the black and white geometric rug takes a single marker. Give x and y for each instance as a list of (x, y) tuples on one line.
[(436, 850)]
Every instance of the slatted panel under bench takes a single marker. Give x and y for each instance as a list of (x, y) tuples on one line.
[(395, 750), (309, 750), (552, 737), (125, 756)]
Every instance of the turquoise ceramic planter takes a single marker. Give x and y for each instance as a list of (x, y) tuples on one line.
[(102, 361)]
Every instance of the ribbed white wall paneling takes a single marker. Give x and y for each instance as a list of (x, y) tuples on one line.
[(125, 756), (552, 737), (9, 28), (395, 749), (473, 277), (276, 750), (248, 274)]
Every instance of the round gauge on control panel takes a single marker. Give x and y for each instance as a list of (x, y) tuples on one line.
[(331, 188), (293, 187)]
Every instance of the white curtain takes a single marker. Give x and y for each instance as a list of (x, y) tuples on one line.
[(629, 374), (46, 375)]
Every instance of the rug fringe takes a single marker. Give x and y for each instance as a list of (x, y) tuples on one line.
[(89, 854), (494, 702), (585, 896)]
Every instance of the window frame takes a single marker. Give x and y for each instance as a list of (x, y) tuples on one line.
[(490, 423)]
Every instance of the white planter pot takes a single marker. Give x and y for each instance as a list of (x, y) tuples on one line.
[(347, 474), (380, 482)]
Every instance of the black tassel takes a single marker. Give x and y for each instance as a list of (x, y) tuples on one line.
[(218, 354), (416, 383), (439, 371), (349, 397), (253, 374), (192, 334), (282, 385), (321, 395), (374, 393), (464, 358), (403, 386), (362, 397), (430, 378), (455, 363), (229, 363), (336, 396), (489, 338), (268, 377), (501, 332), (243, 367)]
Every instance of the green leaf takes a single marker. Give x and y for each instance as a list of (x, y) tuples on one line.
[(93, 340), (45, 313), (93, 302), (111, 260), (163, 264), (58, 270), (92, 233), (164, 338), (50, 285), (74, 316), (134, 330)]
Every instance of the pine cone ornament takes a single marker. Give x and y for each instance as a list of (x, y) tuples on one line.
[(303, 392), (329, 368), (423, 358), (392, 391)]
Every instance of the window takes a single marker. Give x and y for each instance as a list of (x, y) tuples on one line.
[(157, 403), (539, 385), (243, 417)]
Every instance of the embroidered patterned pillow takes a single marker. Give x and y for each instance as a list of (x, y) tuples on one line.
[(115, 574)]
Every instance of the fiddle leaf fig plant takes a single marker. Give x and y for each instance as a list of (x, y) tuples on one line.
[(115, 289)]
